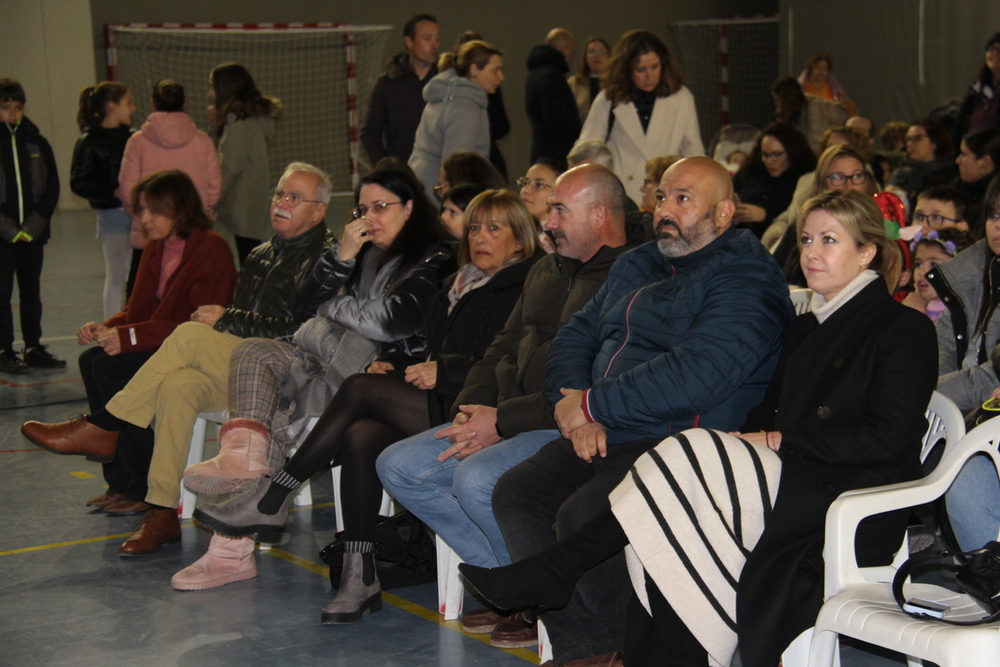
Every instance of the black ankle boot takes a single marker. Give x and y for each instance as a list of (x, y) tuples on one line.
[(548, 578)]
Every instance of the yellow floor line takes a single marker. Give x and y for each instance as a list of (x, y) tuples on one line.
[(103, 538), (405, 605)]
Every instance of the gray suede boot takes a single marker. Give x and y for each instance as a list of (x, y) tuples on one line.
[(355, 598), (240, 517)]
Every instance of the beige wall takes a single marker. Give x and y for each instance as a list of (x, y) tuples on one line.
[(47, 49)]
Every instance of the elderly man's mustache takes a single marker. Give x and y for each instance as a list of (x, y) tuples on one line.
[(281, 213)]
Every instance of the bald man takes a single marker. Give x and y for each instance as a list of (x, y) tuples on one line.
[(548, 98), (686, 332)]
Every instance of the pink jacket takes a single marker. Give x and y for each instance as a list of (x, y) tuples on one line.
[(168, 140)]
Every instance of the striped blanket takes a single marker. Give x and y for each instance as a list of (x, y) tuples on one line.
[(693, 508)]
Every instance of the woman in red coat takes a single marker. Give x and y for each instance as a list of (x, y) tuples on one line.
[(185, 266)]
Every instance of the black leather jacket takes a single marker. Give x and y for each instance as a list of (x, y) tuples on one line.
[(272, 296), (97, 160)]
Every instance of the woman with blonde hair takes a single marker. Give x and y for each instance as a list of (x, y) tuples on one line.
[(644, 110), (455, 117), (726, 530)]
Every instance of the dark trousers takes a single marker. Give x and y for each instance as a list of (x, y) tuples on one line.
[(23, 260), (549, 496), (660, 640), (103, 377)]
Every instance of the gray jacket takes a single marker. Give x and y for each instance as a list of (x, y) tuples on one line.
[(245, 177), (454, 119), (965, 372)]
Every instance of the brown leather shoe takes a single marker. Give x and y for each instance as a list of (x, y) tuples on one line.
[(482, 620), (514, 632), (77, 436), (125, 507), (158, 527), (105, 500)]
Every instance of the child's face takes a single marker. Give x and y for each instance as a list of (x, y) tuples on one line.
[(11, 112), (933, 214), (926, 257)]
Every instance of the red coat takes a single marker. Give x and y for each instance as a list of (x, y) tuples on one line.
[(205, 276)]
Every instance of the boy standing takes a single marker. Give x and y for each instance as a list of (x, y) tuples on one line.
[(29, 191)]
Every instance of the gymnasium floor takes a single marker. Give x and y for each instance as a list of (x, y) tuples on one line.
[(66, 598)]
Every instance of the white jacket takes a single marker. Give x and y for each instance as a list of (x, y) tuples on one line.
[(673, 130)]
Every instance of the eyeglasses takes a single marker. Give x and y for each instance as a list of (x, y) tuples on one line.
[(934, 221), (995, 48), (535, 184), (915, 138), (648, 182), (376, 208), (291, 198), (441, 190), (597, 51), (776, 155), (838, 179)]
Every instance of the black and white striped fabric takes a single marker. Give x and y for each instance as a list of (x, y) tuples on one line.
[(693, 508)]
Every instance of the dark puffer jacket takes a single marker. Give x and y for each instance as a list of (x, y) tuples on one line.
[(511, 375), (272, 297), (384, 302), (668, 344), (394, 108), (35, 166), (549, 102), (97, 159)]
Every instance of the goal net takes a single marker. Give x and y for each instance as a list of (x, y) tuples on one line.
[(322, 73), (729, 66)]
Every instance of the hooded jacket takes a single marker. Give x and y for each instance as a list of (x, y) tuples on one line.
[(245, 176), (169, 140), (97, 159), (394, 108), (25, 155), (454, 119), (965, 372), (550, 104)]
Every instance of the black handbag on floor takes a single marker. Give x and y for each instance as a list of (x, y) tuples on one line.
[(404, 553), (978, 575)]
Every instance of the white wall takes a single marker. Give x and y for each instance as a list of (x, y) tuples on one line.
[(47, 46)]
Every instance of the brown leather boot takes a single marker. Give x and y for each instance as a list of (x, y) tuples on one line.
[(158, 527)]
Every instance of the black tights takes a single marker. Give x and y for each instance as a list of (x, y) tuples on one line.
[(367, 414)]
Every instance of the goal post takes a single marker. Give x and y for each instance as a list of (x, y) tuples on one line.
[(321, 72)]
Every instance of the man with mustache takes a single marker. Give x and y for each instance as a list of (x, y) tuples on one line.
[(190, 372), (501, 417), (686, 332)]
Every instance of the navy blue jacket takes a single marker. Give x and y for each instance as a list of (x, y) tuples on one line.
[(668, 344)]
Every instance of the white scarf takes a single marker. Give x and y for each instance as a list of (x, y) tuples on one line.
[(823, 309)]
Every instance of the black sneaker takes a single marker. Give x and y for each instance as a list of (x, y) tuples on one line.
[(38, 357), (11, 363)]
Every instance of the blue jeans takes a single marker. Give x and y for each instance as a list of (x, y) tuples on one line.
[(454, 498), (974, 503)]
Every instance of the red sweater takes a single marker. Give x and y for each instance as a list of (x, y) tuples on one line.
[(205, 276)]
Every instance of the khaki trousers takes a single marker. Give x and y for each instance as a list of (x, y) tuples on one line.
[(187, 375)]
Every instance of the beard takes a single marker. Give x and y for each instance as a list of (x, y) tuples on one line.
[(686, 241)]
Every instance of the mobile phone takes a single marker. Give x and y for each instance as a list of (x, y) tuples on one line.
[(926, 607)]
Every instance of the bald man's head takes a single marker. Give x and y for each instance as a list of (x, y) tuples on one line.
[(694, 206), (587, 211), (562, 41)]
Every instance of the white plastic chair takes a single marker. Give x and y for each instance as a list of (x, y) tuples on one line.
[(865, 609), (801, 297), (944, 422), (196, 454), (451, 592)]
